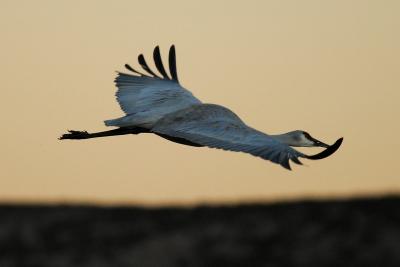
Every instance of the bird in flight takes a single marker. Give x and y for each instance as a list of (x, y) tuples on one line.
[(158, 104)]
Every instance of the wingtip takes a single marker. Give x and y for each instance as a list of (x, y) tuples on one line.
[(287, 167), (143, 63), (285, 164), (128, 67), (296, 160), (140, 58), (172, 63), (172, 50), (158, 62)]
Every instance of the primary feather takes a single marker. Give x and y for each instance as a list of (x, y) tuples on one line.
[(145, 99)]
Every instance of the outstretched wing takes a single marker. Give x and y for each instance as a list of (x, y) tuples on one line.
[(218, 127), (139, 92)]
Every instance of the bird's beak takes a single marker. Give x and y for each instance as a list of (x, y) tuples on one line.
[(327, 152), (319, 143)]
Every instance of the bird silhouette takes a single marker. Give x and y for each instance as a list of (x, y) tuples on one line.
[(158, 104)]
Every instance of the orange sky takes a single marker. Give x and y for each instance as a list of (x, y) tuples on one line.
[(328, 67)]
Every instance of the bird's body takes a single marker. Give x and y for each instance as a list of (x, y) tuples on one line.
[(160, 105)]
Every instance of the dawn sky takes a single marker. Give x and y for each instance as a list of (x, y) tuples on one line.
[(328, 67)]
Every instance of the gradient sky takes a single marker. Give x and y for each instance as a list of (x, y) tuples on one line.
[(331, 68)]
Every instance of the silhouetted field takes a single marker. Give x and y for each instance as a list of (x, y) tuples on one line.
[(360, 232)]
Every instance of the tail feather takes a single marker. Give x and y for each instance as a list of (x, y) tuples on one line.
[(111, 122)]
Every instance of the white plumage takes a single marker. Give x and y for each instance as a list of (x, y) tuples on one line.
[(160, 105), (218, 127), (145, 100)]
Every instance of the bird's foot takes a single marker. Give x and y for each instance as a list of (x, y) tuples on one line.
[(75, 135)]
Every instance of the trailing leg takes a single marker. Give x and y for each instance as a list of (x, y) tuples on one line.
[(78, 135)]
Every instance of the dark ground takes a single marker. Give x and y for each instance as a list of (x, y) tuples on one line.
[(361, 232)]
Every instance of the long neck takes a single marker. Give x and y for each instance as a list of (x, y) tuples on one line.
[(285, 138)]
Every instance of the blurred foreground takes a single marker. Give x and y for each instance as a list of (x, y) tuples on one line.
[(360, 232)]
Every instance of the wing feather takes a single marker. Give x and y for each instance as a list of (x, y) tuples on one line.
[(172, 63), (217, 127), (128, 67), (138, 94), (146, 67), (158, 61), (152, 96)]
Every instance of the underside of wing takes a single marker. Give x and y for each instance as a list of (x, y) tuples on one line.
[(217, 127), (140, 92)]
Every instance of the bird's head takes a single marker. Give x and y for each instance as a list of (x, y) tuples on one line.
[(304, 139)]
